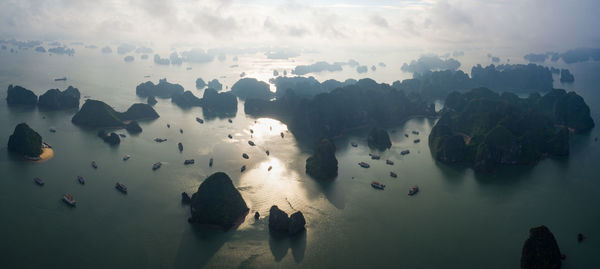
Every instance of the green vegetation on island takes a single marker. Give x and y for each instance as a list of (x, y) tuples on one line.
[(96, 113), (323, 164), (379, 139), (26, 141), (486, 129), (55, 99), (218, 202), (17, 95), (328, 115), (540, 250)]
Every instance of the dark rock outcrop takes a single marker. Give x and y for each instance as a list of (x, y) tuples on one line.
[(218, 202), (133, 127), (218, 104), (17, 95), (485, 129), (200, 84), (251, 88), (280, 222), (185, 198), (112, 138), (26, 141), (96, 113), (163, 89), (215, 84), (379, 138), (151, 100), (55, 99), (186, 99), (323, 164), (566, 76), (540, 250)]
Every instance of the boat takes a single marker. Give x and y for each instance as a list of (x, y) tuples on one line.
[(394, 175), (268, 152), (52, 130), (156, 166), (94, 164), (243, 168), (38, 181), (364, 165), (122, 135), (412, 191), (389, 162), (281, 134), (201, 121), (404, 152), (270, 167), (60, 79), (210, 163), (377, 185), (375, 157), (251, 143), (69, 200), (180, 146), (46, 145), (168, 125), (415, 132), (417, 140), (229, 135), (181, 131), (405, 135), (245, 156), (121, 187), (229, 120), (251, 131), (81, 180), (160, 140), (126, 157), (189, 161), (354, 144)]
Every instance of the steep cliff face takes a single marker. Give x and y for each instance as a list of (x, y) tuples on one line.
[(540, 250), (323, 164), (55, 99), (218, 202), (96, 113), (379, 138), (17, 95), (485, 129), (26, 141)]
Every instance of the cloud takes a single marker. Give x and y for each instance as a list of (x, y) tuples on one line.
[(430, 63), (281, 54)]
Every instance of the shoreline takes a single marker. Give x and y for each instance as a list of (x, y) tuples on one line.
[(47, 154)]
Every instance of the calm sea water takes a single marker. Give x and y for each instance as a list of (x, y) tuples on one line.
[(458, 220)]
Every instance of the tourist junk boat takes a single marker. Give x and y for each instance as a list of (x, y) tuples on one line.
[(281, 134), (81, 180), (394, 175), (374, 157), (122, 135), (181, 131), (245, 156), (229, 135), (94, 164), (405, 135), (364, 165), (417, 140), (415, 132), (38, 181), (268, 152), (251, 143), (189, 161), (60, 79), (121, 187), (404, 152), (69, 200), (160, 140), (180, 146), (243, 168), (377, 185), (126, 157), (251, 131), (412, 191), (229, 120), (52, 130), (210, 163), (388, 162), (201, 121), (156, 166), (354, 144), (168, 125), (270, 167)]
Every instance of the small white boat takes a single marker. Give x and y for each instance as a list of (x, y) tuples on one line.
[(69, 200), (377, 185), (126, 157), (412, 191)]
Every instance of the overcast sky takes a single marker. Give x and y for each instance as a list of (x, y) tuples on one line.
[(535, 24)]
